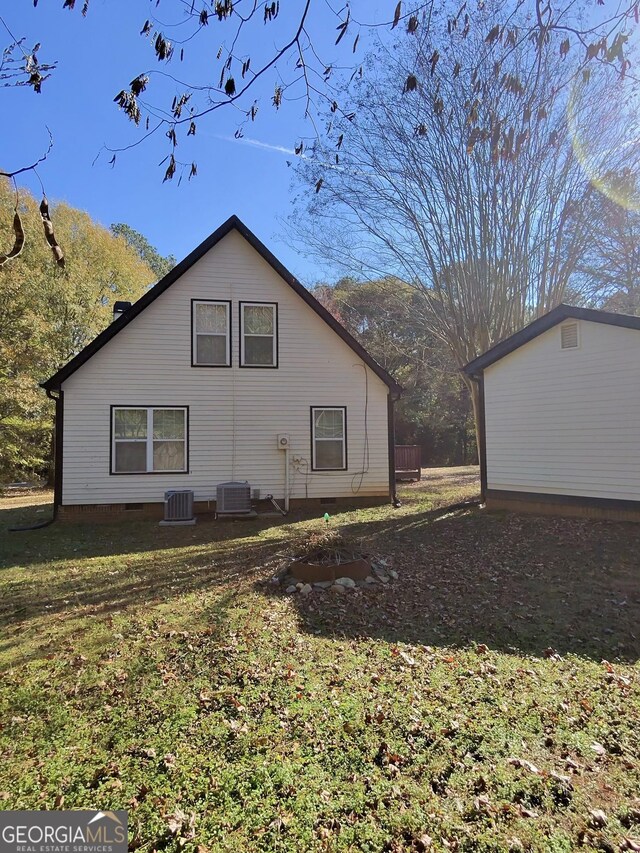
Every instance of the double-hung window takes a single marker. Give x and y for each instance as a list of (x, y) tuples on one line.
[(329, 438), (211, 333), (147, 440), (258, 334)]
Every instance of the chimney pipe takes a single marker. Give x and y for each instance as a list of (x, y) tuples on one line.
[(119, 309)]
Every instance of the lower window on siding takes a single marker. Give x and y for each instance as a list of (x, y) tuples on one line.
[(148, 440), (329, 438)]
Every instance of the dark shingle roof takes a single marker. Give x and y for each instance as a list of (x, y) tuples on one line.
[(542, 324)]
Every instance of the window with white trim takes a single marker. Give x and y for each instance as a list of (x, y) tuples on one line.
[(146, 440), (329, 438), (211, 331), (258, 334)]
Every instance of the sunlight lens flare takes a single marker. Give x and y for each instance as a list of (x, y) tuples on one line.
[(603, 114)]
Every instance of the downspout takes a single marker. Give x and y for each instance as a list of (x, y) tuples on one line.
[(478, 378), (391, 433), (57, 459), (286, 478), (57, 465)]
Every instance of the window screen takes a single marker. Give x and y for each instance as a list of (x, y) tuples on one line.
[(211, 323), (329, 439), (147, 440), (258, 345)]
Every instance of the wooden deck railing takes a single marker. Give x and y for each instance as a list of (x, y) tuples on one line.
[(408, 461)]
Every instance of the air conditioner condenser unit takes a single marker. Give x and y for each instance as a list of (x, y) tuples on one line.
[(178, 507), (234, 498)]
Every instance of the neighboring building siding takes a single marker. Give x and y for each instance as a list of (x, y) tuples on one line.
[(234, 413), (567, 421)]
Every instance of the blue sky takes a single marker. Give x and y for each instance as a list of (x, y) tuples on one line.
[(97, 56)]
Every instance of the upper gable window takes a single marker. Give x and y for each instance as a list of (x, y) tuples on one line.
[(211, 333), (569, 336), (258, 334)]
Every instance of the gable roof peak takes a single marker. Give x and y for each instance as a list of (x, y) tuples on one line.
[(542, 324), (232, 223)]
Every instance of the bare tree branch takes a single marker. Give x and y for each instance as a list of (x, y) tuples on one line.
[(487, 217), (32, 166)]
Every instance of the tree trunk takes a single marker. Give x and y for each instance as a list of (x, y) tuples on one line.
[(474, 391)]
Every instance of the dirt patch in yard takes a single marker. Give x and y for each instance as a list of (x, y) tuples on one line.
[(518, 583)]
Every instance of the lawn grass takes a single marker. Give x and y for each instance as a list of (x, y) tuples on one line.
[(488, 700)]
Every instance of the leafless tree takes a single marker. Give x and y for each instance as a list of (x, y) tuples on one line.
[(467, 187), (20, 66), (608, 274), (301, 63), (262, 54)]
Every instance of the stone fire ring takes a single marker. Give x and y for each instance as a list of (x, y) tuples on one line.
[(357, 570)]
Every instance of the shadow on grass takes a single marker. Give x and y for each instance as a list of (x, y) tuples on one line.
[(56, 577), (74, 540), (61, 579), (516, 583)]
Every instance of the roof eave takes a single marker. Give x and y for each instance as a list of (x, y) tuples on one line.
[(562, 312), (475, 367)]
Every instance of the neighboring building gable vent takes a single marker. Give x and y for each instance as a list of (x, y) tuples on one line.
[(569, 335)]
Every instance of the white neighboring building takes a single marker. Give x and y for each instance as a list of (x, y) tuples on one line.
[(561, 415), (193, 384)]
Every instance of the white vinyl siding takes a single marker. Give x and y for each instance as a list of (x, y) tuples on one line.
[(567, 422), (329, 439), (211, 323), (148, 440), (234, 414), (258, 335)]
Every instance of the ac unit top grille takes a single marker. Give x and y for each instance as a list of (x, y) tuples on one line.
[(233, 497)]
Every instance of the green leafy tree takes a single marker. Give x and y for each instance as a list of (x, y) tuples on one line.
[(147, 253), (48, 313), (435, 409)]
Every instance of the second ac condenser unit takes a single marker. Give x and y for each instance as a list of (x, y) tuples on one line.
[(233, 498)]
